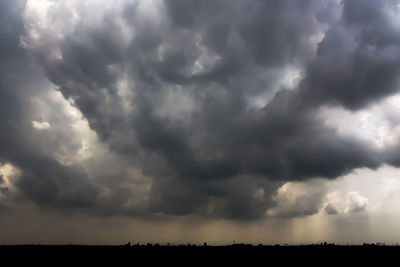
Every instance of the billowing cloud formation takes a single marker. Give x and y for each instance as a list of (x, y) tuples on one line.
[(43, 178), (357, 61), (205, 107)]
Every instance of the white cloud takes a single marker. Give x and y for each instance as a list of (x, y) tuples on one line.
[(63, 132), (375, 191), (44, 125), (298, 199), (356, 202), (377, 124), (8, 173), (381, 187)]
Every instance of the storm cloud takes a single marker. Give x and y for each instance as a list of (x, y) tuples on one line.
[(42, 178), (198, 107)]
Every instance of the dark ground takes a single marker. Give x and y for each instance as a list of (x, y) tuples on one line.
[(203, 255)]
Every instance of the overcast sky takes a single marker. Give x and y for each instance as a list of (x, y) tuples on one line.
[(190, 121)]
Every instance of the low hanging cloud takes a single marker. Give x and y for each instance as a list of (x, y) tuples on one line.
[(190, 107)]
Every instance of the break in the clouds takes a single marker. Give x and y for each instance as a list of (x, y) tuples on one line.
[(218, 109)]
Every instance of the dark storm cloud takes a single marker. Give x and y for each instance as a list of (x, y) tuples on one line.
[(357, 62), (268, 31), (192, 76), (240, 197), (283, 141), (42, 178), (229, 139)]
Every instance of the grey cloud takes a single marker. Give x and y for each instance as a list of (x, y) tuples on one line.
[(176, 197), (188, 121), (392, 156), (4, 190), (330, 209), (220, 137), (241, 197), (269, 31), (246, 197), (357, 61), (41, 178)]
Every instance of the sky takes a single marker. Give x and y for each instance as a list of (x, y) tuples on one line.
[(184, 121)]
